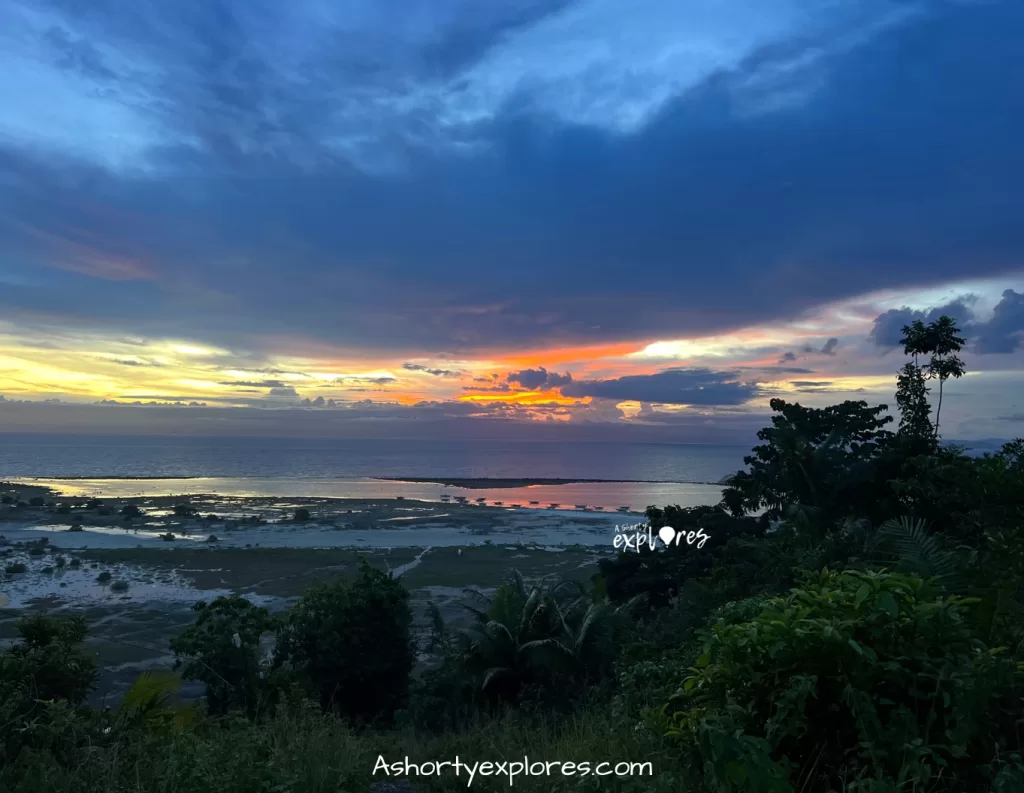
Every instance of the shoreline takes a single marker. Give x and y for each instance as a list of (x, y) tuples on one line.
[(486, 483), (104, 478), (466, 483)]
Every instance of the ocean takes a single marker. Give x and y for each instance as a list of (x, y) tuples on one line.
[(107, 456), (636, 475)]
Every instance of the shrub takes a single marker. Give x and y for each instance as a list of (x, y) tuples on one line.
[(119, 586), (75, 527), (16, 567), (36, 501), (184, 510), (222, 649), (130, 511), (351, 644), (44, 667), (104, 577), (64, 509), (866, 676), (301, 515), (93, 503), (6, 499)]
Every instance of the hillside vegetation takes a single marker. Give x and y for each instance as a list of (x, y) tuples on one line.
[(862, 634)]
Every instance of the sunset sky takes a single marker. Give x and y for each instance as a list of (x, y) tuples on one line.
[(512, 218)]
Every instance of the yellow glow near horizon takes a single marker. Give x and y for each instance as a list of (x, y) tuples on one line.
[(84, 364), (191, 349), (714, 346), (525, 398), (630, 408)]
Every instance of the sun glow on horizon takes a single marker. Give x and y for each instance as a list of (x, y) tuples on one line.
[(525, 398)]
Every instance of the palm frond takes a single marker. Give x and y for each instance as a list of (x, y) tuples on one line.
[(150, 695), (493, 674), (919, 552)]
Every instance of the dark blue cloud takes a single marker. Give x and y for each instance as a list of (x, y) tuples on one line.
[(1001, 333), (417, 367), (817, 168), (887, 328), (1004, 332), (670, 387), (539, 378)]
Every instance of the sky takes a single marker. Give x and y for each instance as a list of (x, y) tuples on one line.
[(581, 219)]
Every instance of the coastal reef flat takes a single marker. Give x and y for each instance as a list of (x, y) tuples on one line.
[(135, 566)]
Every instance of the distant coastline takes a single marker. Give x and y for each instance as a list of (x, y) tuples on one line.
[(484, 483), (119, 478)]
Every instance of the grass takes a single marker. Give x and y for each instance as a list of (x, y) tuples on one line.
[(310, 753)]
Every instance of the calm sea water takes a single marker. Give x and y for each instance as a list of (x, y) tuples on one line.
[(94, 456)]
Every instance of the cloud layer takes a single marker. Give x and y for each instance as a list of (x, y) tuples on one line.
[(1003, 332), (461, 177), (570, 212)]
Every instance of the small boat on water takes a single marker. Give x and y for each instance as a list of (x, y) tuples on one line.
[(623, 509), (446, 497), (499, 503), (481, 500), (580, 506), (554, 505), (460, 499), (534, 503)]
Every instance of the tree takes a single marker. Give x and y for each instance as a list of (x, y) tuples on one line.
[(816, 459), (351, 644), (222, 649), (945, 343), (45, 668), (554, 638), (912, 401), (940, 340)]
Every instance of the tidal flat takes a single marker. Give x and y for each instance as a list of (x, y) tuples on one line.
[(135, 579)]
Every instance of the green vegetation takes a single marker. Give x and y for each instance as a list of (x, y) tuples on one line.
[(853, 624), (350, 645), (222, 649)]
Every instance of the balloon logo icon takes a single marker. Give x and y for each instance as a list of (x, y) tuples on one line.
[(667, 534)]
